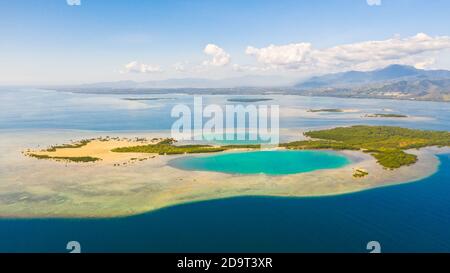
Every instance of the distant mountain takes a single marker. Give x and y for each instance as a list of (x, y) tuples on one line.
[(394, 81), (391, 72), (244, 81)]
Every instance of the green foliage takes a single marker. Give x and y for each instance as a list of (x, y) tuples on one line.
[(318, 144), (360, 173), (167, 141), (331, 110), (383, 137), (386, 116), (79, 144), (385, 143), (72, 159), (242, 146), (393, 159), (166, 147)]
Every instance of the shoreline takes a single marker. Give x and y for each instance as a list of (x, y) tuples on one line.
[(69, 218), (91, 191)]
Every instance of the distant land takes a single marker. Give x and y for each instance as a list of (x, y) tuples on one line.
[(139, 99), (249, 100), (386, 116), (243, 81), (329, 110), (392, 82)]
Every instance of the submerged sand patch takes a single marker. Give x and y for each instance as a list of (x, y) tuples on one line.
[(45, 188)]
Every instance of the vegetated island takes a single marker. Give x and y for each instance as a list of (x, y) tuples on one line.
[(360, 173), (134, 175), (74, 145), (332, 110), (144, 99), (329, 110), (88, 150), (248, 100), (122, 151), (385, 116), (167, 147), (385, 143)]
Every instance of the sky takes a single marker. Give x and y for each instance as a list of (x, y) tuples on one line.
[(84, 41)]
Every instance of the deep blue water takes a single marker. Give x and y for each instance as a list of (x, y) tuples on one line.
[(405, 218)]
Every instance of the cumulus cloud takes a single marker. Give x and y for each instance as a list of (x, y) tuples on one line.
[(281, 55), (136, 67), (374, 2), (363, 55), (219, 56)]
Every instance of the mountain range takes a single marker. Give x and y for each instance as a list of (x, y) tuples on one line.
[(394, 81), (244, 81)]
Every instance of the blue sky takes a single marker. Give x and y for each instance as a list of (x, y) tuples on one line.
[(49, 41)]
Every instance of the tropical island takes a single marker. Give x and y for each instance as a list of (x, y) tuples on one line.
[(135, 175), (329, 110), (378, 115), (248, 100), (385, 143), (98, 149), (146, 99)]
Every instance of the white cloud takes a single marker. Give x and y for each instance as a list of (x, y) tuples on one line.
[(180, 67), (281, 55), (374, 2), (425, 63), (363, 55), (240, 68), (219, 56), (73, 2), (136, 67)]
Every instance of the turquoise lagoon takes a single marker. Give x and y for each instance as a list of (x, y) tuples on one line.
[(264, 162)]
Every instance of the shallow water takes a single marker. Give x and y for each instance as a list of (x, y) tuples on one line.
[(409, 217), (30, 108), (264, 162)]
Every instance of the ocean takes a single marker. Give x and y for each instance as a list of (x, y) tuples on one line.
[(412, 217)]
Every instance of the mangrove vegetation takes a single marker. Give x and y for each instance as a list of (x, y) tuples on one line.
[(385, 143)]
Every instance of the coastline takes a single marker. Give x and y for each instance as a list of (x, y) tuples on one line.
[(100, 190)]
